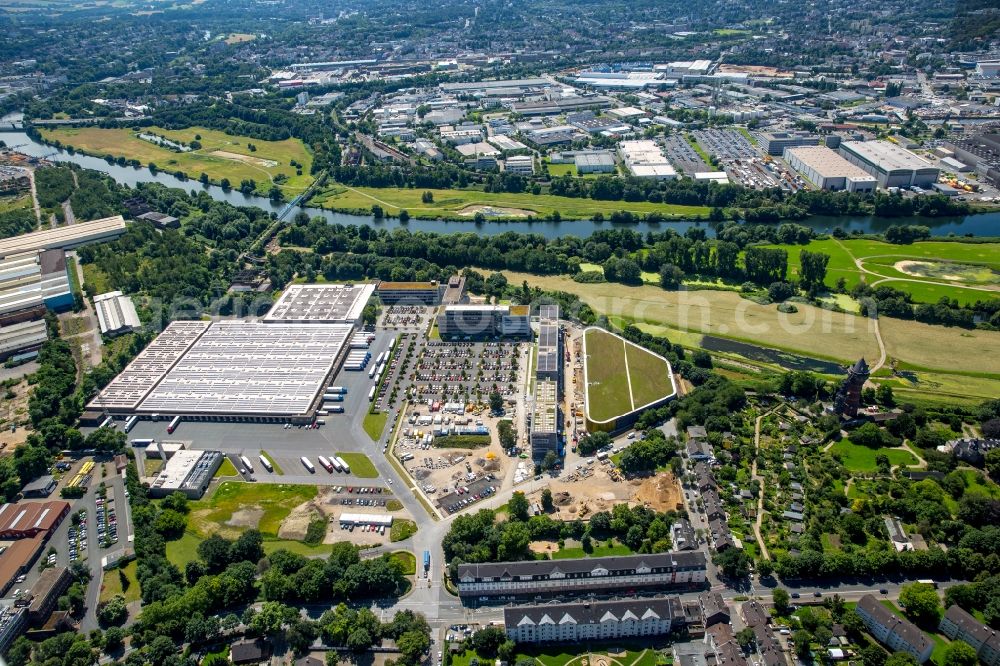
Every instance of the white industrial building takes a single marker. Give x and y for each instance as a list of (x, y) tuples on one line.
[(891, 165), (595, 162), (506, 143), (115, 313), (827, 170), (22, 337), (229, 370), (64, 238), (321, 304), (381, 519), (645, 159), (189, 472)]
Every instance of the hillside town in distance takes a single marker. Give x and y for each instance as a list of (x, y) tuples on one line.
[(499, 333)]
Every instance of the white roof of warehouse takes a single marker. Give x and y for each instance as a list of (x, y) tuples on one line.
[(321, 303), (115, 312)]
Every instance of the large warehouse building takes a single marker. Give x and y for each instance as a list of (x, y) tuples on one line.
[(891, 165), (64, 238), (188, 472), (827, 170), (229, 371), (645, 160)]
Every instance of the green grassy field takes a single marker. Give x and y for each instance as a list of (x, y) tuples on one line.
[(374, 424), (610, 373), (361, 465), (463, 204), (96, 278), (599, 550), (221, 155), (226, 469), (402, 529), (862, 459), (111, 584), (270, 503), (811, 331), (880, 258), (15, 202), (557, 170)]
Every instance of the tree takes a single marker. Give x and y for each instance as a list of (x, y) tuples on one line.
[(114, 639), (113, 612), (496, 402), (960, 653), (734, 563), (920, 602), (517, 506), (802, 640), (993, 462), (671, 276), (812, 270), (412, 646), (547, 503), (780, 597), (746, 638), (272, 618), (593, 442), (550, 461), (902, 659)]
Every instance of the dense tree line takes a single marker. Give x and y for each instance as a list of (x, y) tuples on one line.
[(16, 222), (884, 300), (54, 185)]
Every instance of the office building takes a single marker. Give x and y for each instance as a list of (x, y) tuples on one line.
[(891, 165), (321, 304), (595, 575), (827, 170), (13, 622), (775, 143), (64, 238), (462, 136), (544, 430), (594, 620), (409, 293), (548, 136), (959, 625), (484, 321), (116, 313), (188, 472), (46, 592), (645, 159), (549, 356), (523, 165), (895, 633)]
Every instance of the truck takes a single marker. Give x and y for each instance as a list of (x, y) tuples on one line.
[(130, 423), (247, 465), (343, 463), (325, 464), (265, 463), (334, 397), (371, 394), (173, 424), (141, 442), (108, 423), (336, 464), (336, 409), (308, 465), (427, 561), (337, 389)]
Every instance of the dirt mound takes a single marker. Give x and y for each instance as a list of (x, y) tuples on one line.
[(661, 492), (494, 211), (248, 517), (562, 499)]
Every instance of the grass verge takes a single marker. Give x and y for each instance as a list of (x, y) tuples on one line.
[(361, 465), (402, 529)]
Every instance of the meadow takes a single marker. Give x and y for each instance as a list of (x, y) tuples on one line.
[(879, 259), (220, 156), (621, 377), (462, 204), (862, 459), (811, 331)]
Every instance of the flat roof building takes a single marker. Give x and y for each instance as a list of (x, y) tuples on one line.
[(40, 487), (189, 472), (827, 170), (321, 304), (544, 433), (596, 162), (523, 165), (479, 321), (775, 143), (645, 159), (116, 313), (64, 238), (409, 293), (891, 165), (34, 279), (13, 622), (594, 575), (46, 592), (21, 337)]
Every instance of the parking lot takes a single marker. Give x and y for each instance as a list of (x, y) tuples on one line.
[(683, 156), (406, 317), (465, 370), (726, 144)]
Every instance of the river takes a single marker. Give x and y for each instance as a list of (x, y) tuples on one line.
[(987, 224)]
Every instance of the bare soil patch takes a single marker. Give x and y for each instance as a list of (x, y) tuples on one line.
[(660, 493), (494, 211), (246, 159)]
